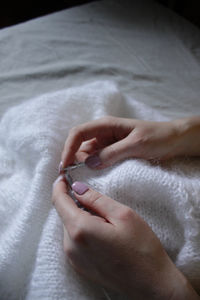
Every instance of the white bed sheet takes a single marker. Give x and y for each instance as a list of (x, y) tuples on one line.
[(152, 54)]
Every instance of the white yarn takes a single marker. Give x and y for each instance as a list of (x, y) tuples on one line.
[(32, 135)]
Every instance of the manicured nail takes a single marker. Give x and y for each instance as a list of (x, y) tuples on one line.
[(60, 177), (93, 161), (60, 168), (79, 187)]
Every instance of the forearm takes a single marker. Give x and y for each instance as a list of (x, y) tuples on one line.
[(177, 287), (168, 284), (188, 136)]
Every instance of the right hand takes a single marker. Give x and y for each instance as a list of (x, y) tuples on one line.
[(105, 141)]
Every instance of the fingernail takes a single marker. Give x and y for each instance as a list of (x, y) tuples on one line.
[(60, 168), (60, 177), (93, 161), (79, 187)]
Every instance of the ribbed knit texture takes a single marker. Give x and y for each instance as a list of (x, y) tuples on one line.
[(32, 136)]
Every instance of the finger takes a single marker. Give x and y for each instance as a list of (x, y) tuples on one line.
[(71, 215), (84, 132), (89, 146), (104, 206), (81, 156), (112, 154), (64, 204)]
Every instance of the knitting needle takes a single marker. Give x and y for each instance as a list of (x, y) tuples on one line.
[(74, 166)]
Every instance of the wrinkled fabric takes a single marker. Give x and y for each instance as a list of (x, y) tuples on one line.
[(32, 135)]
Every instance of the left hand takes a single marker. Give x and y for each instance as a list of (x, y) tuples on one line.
[(116, 248)]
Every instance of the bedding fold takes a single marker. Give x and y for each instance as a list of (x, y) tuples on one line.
[(32, 136)]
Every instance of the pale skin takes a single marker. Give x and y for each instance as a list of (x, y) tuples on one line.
[(116, 248)]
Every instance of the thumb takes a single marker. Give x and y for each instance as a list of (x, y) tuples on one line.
[(111, 154), (103, 206)]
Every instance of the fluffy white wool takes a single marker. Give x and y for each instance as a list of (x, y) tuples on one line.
[(32, 135)]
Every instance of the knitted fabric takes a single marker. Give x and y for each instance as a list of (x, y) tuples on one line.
[(32, 136)]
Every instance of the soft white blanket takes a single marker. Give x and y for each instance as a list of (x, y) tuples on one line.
[(32, 135)]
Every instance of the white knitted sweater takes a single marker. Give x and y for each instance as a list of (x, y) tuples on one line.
[(32, 135)]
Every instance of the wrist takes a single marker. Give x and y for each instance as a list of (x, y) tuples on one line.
[(187, 132), (183, 289), (171, 284), (167, 283)]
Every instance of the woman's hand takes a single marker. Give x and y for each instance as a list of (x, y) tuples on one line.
[(115, 247), (103, 142)]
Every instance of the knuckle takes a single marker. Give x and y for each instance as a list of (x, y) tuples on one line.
[(73, 130), (78, 132), (78, 234), (107, 119), (70, 147), (112, 152), (140, 139), (126, 214), (56, 199), (94, 198)]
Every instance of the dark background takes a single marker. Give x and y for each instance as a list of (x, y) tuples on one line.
[(16, 11), (189, 9)]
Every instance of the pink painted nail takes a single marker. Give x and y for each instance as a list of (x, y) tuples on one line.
[(79, 187), (93, 161), (60, 168)]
